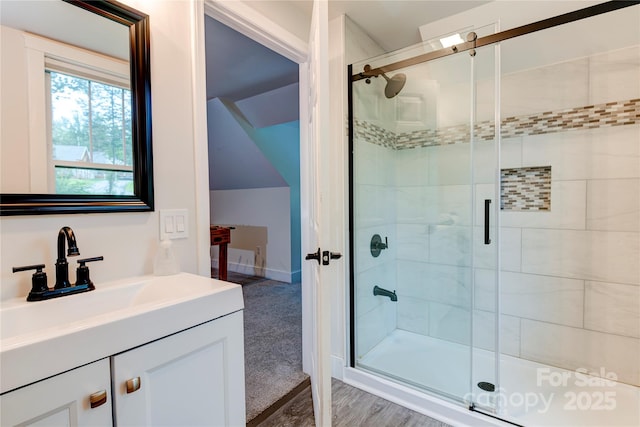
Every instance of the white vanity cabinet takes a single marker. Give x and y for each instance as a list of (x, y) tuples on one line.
[(193, 378), (165, 350), (62, 400)]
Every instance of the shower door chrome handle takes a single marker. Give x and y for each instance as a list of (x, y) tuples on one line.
[(487, 210)]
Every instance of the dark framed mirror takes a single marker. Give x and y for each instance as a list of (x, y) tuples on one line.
[(135, 171)]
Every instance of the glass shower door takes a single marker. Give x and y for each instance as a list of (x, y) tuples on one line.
[(485, 359), (416, 222)]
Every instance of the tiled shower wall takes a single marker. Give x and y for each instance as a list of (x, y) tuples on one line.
[(375, 214), (570, 275)]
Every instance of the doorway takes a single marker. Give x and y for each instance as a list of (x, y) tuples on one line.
[(254, 183)]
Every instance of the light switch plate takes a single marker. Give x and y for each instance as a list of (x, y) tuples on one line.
[(174, 224)]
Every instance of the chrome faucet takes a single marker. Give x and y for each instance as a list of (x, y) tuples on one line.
[(62, 266)]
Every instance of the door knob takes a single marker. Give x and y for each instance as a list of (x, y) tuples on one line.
[(323, 256), (314, 255), (326, 256)]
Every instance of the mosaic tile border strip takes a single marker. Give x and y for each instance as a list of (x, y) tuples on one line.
[(617, 113), (592, 116), (525, 189), (374, 134)]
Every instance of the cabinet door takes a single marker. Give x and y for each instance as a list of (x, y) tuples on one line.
[(63, 400), (195, 377)]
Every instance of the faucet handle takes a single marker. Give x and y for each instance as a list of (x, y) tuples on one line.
[(82, 272), (37, 267), (84, 260), (38, 280)]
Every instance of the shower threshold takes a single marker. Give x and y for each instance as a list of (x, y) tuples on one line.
[(530, 393)]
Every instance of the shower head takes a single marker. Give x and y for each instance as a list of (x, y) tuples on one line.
[(394, 84)]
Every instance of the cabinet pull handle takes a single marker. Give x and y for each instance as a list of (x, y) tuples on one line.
[(133, 384), (98, 398)]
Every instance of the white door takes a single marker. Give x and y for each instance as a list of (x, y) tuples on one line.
[(314, 205)]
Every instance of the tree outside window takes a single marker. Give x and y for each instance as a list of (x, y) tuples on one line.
[(91, 141)]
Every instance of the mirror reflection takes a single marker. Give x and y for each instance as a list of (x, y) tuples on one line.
[(66, 104)]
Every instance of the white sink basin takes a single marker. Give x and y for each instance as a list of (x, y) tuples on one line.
[(40, 339)]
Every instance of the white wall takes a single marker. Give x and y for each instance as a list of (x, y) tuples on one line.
[(265, 207), (127, 241), (291, 15)]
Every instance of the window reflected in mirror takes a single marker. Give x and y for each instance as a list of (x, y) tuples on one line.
[(90, 136)]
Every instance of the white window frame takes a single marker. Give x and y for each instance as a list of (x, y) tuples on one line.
[(41, 54)]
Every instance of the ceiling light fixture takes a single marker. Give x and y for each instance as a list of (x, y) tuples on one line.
[(451, 40)]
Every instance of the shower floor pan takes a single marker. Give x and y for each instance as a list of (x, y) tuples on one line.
[(530, 393)]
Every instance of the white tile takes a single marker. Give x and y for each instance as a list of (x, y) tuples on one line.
[(614, 308), (364, 159), (413, 315), (450, 245), (511, 153), (415, 108), (374, 205), (453, 98), (549, 88), (373, 164), (613, 76), (546, 298), (411, 279), (410, 205), (411, 167), (573, 348), (366, 105), (613, 204), (450, 323), (412, 242), (568, 206), (373, 326), (485, 87), (485, 289), (484, 159), (447, 204), (609, 256), (449, 164), (484, 332), (510, 249), (601, 153), (440, 283)]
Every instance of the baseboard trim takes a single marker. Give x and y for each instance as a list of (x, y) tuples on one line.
[(337, 367), (269, 273), (261, 417)]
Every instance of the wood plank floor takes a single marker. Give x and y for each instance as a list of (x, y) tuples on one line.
[(352, 407)]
